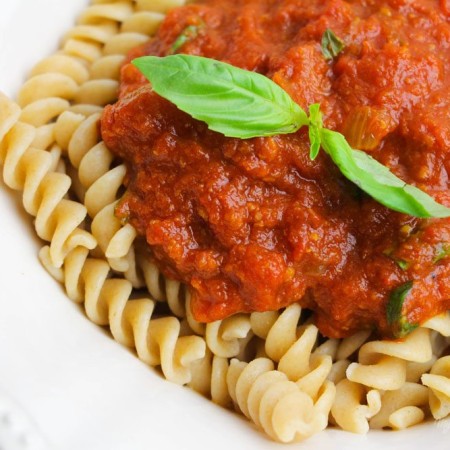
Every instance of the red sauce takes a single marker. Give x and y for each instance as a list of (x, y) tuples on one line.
[(254, 225)]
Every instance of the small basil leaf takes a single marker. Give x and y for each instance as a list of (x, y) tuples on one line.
[(400, 325), (331, 45), (315, 124), (232, 101), (378, 181)]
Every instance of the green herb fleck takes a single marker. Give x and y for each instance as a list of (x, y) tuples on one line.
[(399, 323), (243, 104), (402, 263), (331, 45), (442, 252), (188, 34), (404, 328)]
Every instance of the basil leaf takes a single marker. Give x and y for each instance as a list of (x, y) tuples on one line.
[(331, 45), (232, 101), (400, 325), (378, 181), (189, 33), (315, 124)]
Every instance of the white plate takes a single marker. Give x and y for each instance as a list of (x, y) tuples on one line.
[(64, 383)]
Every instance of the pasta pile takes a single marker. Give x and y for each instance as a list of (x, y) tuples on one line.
[(272, 367)]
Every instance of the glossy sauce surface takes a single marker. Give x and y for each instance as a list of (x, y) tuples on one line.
[(254, 225)]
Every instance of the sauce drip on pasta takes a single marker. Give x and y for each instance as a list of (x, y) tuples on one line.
[(255, 225)]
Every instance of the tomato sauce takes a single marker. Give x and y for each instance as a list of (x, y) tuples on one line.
[(254, 225)]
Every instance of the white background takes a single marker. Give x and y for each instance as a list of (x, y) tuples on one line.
[(64, 382)]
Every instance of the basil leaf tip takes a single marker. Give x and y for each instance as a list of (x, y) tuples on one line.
[(378, 181), (243, 104)]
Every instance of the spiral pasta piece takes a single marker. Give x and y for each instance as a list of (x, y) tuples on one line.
[(349, 411), (394, 402), (209, 378), (382, 364), (223, 336), (438, 380), (274, 403), (406, 417), (278, 330), (163, 289)]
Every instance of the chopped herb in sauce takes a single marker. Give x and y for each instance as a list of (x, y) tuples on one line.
[(188, 34), (395, 318), (442, 252), (331, 45), (403, 264)]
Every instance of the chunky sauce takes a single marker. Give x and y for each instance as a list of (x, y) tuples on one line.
[(254, 225)]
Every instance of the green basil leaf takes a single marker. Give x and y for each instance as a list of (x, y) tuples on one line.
[(315, 124), (400, 325), (331, 45), (232, 101), (189, 33), (378, 181)]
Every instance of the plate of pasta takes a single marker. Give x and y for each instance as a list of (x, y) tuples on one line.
[(93, 324)]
